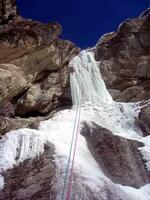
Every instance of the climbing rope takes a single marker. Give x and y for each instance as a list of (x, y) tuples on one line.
[(73, 159), (74, 137)]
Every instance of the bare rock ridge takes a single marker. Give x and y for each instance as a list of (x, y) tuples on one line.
[(34, 74), (125, 62)]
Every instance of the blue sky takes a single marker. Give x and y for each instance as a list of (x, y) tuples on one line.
[(83, 21)]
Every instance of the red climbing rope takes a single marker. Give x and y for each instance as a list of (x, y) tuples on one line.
[(73, 158), (70, 154)]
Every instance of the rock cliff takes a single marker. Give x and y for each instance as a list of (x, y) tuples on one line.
[(34, 74), (124, 57)]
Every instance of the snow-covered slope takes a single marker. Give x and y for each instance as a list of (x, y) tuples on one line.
[(89, 181)]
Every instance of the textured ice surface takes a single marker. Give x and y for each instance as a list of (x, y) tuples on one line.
[(18, 146), (86, 80), (89, 182)]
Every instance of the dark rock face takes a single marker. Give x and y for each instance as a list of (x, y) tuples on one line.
[(143, 120), (118, 157), (31, 179), (8, 10), (10, 124), (125, 60), (7, 110)]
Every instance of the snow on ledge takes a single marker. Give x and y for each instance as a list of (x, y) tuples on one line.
[(17, 146)]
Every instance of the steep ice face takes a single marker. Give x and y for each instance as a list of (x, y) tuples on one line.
[(18, 146), (89, 181), (86, 80), (88, 86)]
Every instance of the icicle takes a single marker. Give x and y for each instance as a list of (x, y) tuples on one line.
[(86, 77)]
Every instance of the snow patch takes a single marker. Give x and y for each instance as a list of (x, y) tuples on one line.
[(138, 194), (19, 145)]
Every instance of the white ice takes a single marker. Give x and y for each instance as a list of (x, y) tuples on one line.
[(86, 80), (98, 107), (17, 146)]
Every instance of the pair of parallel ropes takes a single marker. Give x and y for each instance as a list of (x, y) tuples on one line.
[(66, 192)]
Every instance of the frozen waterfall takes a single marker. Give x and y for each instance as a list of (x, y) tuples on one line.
[(86, 80), (89, 181)]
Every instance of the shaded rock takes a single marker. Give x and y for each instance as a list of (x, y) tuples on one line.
[(35, 67), (131, 94), (32, 179), (118, 157), (12, 81), (8, 10), (143, 120), (125, 59), (7, 110), (45, 96), (11, 124)]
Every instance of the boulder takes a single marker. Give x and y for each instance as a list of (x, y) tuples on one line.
[(118, 157), (45, 96), (143, 121)]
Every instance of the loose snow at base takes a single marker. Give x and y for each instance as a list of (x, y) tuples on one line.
[(97, 106), (138, 194)]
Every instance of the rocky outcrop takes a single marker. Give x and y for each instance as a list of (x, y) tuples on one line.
[(12, 81), (32, 57), (44, 97), (118, 157), (8, 124), (125, 59), (8, 10), (34, 73), (31, 179), (143, 120)]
